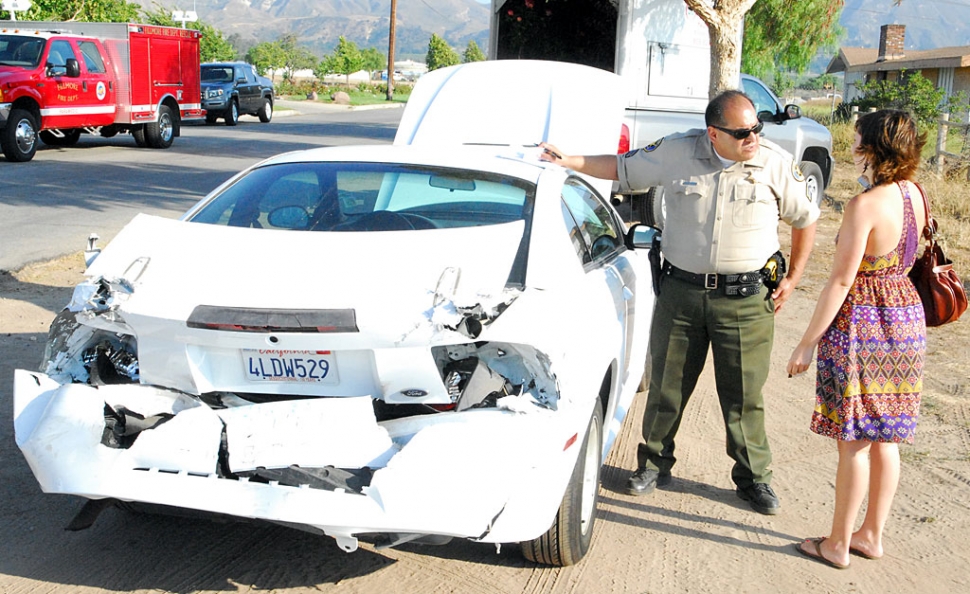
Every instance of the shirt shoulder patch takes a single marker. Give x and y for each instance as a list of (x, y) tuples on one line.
[(653, 146), (796, 172)]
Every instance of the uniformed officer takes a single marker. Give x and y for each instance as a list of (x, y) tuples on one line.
[(725, 190)]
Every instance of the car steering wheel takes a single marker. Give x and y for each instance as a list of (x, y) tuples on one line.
[(387, 220)]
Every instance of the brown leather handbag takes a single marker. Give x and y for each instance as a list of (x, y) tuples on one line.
[(939, 287)]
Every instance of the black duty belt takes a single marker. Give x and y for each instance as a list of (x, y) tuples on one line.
[(740, 285)]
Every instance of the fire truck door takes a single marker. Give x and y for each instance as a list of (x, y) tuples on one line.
[(74, 102)]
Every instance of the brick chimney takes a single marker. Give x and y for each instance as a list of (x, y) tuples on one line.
[(891, 42)]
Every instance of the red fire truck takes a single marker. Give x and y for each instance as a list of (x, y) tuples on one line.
[(59, 79)]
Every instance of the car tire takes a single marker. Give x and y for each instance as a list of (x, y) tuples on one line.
[(568, 540), (211, 118), (265, 112), (69, 138), (232, 114), (19, 138), (139, 135), (160, 134), (651, 209), (814, 180)]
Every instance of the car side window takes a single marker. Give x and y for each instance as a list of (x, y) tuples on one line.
[(92, 57), (597, 228), (60, 51), (759, 95)]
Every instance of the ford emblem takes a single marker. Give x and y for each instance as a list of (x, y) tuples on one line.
[(414, 393)]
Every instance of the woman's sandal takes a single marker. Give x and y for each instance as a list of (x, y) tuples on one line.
[(817, 555)]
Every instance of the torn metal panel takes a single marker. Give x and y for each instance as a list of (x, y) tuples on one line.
[(340, 432)]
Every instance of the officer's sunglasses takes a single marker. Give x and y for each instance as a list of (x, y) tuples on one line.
[(742, 133)]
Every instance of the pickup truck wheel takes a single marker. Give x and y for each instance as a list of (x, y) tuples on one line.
[(815, 181), (139, 135), (210, 118), (68, 137), (265, 112), (19, 139), (567, 541), (650, 208), (160, 134), (232, 115)]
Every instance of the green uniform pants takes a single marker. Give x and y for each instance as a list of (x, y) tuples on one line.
[(740, 330)]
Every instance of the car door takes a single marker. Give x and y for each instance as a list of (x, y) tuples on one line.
[(74, 102), (597, 236), (248, 89)]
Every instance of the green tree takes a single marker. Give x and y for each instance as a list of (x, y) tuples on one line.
[(345, 59), (213, 47), (913, 93), (266, 56), (785, 35), (92, 11), (473, 53), (440, 54), (374, 59), (285, 54)]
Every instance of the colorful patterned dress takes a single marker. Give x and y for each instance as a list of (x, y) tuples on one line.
[(870, 360)]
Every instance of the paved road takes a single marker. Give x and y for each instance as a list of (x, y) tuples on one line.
[(49, 206)]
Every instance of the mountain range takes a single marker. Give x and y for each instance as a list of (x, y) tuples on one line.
[(319, 23)]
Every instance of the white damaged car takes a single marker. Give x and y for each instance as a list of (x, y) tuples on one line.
[(397, 343)]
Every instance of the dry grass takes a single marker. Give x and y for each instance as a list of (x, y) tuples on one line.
[(949, 195)]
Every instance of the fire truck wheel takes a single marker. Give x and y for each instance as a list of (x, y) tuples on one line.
[(139, 136), (160, 134), (266, 111), (67, 138), (19, 139), (232, 115)]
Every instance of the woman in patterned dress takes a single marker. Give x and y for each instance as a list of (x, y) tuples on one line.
[(870, 331)]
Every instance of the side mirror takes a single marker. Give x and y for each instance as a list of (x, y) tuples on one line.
[(641, 236), (768, 116), (792, 112), (73, 68)]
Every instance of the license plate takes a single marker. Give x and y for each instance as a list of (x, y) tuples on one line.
[(290, 366)]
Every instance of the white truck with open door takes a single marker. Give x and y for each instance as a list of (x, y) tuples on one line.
[(661, 49)]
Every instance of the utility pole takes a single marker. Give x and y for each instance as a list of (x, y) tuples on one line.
[(390, 52)]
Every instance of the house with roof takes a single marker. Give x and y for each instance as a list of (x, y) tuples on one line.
[(947, 67)]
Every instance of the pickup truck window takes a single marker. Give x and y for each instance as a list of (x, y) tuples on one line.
[(60, 51), (759, 95), (20, 51), (92, 57)]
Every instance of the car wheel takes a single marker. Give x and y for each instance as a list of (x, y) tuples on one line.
[(265, 112), (160, 134), (109, 131), (210, 118), (232, 115), (814, 180), (139, 135), (650, 208), (567, 541), (67, 138), (19, 138)]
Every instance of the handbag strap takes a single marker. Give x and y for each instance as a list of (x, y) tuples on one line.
[(929, 231)]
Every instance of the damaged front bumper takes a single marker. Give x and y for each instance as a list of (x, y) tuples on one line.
[(324, 464)]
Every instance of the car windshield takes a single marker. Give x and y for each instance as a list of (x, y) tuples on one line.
[(20, 51), (217, 74), (366, 197)]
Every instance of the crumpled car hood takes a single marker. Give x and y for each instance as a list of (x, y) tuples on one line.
[(389, 278)]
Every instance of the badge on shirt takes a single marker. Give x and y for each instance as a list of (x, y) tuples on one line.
[(653, 146), (796, 172)]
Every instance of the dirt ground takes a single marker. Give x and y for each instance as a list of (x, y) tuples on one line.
[(693, 536)]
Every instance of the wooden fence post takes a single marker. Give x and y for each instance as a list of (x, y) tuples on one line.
[(941, 132)]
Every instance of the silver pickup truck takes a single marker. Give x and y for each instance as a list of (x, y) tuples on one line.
[(807, 140)]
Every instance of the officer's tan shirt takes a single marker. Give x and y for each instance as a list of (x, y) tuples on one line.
[(719, 220)]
